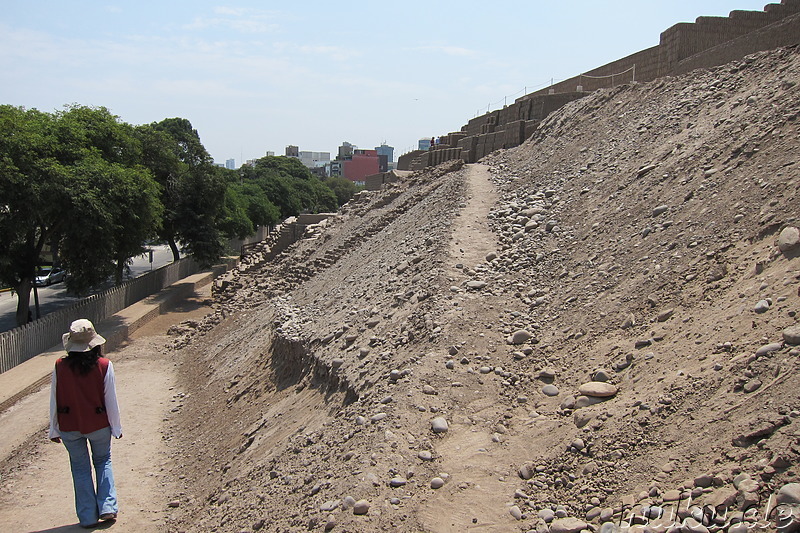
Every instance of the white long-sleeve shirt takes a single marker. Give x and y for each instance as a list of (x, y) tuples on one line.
[(110, 398)]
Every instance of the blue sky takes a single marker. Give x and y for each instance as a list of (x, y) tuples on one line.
[(257, 76)]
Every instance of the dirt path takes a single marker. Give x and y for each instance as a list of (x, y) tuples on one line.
[(35, 484), (472, 238), (475, 499)]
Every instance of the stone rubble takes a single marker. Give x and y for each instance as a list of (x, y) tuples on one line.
[(615, 344)]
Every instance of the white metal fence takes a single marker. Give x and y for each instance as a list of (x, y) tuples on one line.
[(22, 343)]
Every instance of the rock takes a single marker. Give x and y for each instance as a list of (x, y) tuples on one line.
[(515, 512), (761, 307), (174, 503), (348, 501), (527, 471), (330, 505), (586, 401), (547, 373), (330, 523), (789, 493), (425, 455), (568, 525), (690, 525), (671, 495), (491, 256), (703, 481), (791, 335), (398, 481), (591, 468), (660, 210), (598, 389), (361, 507), (752, 385), (520, 336), (665, 315), (609, 527), (439, 425), (767, 348), (581, 418), (548, 515), (600, 375), (550, 390), (476, 285), (789, 239), (568, 403), (427, 389)]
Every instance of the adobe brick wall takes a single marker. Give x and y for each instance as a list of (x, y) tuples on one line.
[(404, 161), (705, 43), (772, 36)]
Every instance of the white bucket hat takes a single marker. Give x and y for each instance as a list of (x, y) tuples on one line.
[(81, 337)]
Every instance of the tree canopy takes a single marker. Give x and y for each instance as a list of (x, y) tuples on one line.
[(71, 180), (290, 186), (95, 190)]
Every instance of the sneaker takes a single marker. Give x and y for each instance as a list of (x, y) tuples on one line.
[(108, 516)]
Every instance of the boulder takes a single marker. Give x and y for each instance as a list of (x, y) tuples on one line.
[(789, 239), (568, 525), (598, 389)]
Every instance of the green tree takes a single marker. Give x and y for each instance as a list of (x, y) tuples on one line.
[(69, 179), (115, 210), (235, 223), (343, 188), (260, 210), (33, 196), (193, 191), (290, 185)]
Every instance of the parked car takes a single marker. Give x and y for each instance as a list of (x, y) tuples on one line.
[(49, 275)]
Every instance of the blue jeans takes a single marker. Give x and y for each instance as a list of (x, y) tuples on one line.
[(90, 504)]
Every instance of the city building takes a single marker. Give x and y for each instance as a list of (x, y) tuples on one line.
[(424, 144), (361, 164), (230, 164), (345, 150), (292, 151), (385, 149), (386, 156), (315, 159)]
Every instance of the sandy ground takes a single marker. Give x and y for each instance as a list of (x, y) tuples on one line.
[(35, 484)]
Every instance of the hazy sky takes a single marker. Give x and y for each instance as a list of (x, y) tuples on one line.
[(257, 76)]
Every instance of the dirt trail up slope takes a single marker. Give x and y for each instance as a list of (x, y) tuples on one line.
[(595, 325)]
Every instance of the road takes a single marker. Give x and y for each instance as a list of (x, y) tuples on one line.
[(55, 296)]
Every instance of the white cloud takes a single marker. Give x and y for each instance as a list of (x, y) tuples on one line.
[(240, 20), (336, 53)]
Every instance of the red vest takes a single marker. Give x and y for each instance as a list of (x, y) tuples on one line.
[(80, 400)]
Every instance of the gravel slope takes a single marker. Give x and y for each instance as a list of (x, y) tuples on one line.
[(601, 317)]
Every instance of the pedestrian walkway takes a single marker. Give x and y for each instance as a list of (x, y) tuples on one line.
[(33, 373)]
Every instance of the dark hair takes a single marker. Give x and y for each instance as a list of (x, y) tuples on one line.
[(83, 362)]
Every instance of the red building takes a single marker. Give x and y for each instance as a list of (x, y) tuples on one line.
[(362, 164)]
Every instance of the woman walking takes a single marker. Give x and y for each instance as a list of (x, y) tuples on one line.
[(84, 409)]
